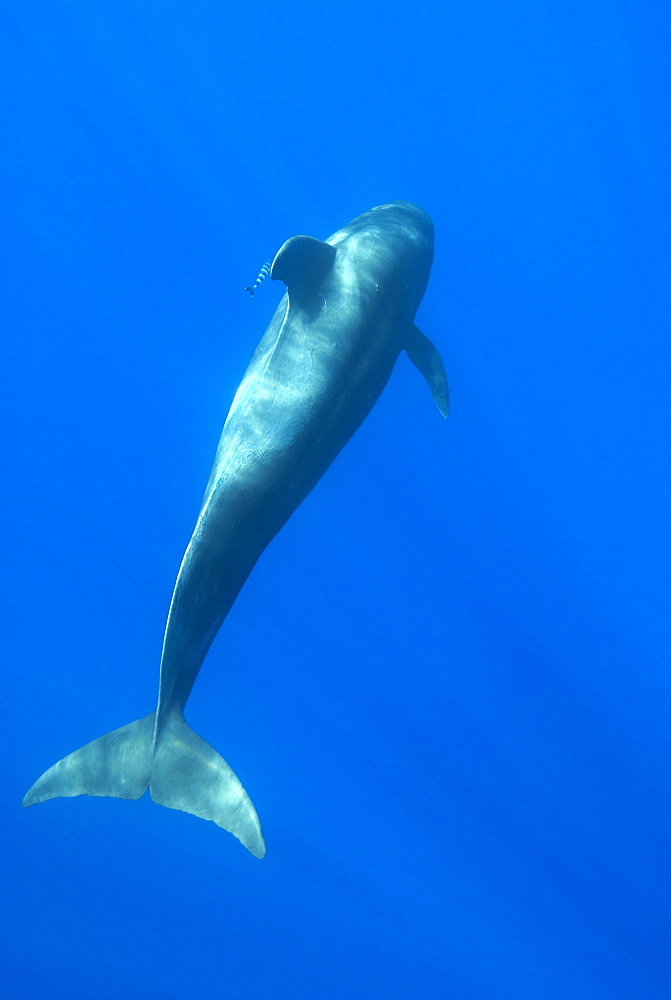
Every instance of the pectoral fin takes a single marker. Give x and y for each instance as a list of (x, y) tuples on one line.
[(425, 356)]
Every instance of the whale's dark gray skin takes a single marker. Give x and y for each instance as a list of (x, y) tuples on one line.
[(322, 363)]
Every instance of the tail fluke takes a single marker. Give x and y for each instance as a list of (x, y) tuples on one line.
[(182, 772), (117, 764), (190, 775)]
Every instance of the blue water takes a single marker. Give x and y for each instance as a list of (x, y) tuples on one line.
[(446, 685)]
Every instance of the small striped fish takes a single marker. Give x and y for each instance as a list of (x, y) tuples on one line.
[(261, 277)]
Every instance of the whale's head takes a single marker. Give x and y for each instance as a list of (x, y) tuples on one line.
[(399, 237), (400, 216)]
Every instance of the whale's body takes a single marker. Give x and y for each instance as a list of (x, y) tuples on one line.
[(322, 363)]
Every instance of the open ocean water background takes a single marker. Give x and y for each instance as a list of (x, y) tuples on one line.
[(446, 685)]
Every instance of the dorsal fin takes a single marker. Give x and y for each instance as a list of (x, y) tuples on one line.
[(302, 263)]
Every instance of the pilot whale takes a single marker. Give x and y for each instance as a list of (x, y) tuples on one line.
[(327, 354)]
